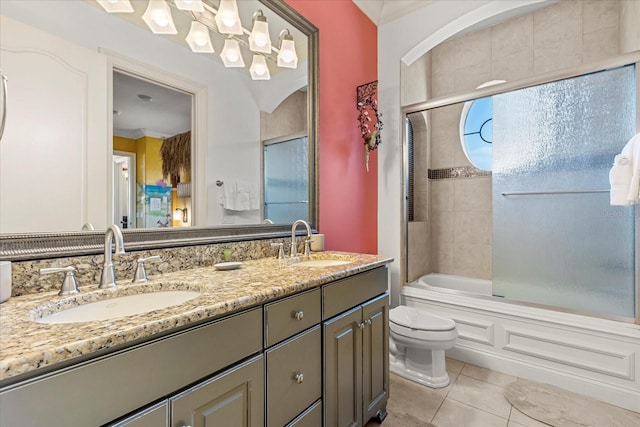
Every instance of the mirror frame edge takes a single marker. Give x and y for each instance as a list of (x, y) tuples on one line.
[(31, 246)]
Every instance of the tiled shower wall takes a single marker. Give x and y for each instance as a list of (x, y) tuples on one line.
[(453, 224)]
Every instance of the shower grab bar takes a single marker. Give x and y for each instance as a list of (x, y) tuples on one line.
[(535, 193)]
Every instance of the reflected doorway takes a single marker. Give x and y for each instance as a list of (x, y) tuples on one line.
[(124, 189)]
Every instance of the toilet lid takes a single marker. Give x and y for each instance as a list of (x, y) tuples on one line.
[(419, 320)]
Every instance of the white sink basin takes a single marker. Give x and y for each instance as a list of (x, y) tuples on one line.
[(321, 263), (119, 307)]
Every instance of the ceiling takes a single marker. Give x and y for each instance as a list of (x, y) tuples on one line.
[(384, 11)]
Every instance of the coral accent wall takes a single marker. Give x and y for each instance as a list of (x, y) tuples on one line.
[(348, 58)]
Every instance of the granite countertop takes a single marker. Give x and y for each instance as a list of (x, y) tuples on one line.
[(27, 346)]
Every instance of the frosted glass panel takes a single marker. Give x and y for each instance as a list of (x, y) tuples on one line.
[(286, 181), (567, 250)]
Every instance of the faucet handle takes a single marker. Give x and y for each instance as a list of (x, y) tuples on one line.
[(69, 284), (280, 247), (307, 246), (140, 275)]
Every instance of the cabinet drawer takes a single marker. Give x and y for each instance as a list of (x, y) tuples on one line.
[(155, 416), (294, 377), (312, 417), (287, 317), (347, 293)]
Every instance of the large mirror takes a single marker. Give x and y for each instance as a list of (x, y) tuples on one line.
[(62, 152)]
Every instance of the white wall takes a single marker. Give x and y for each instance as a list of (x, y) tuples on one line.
[(407, 39)]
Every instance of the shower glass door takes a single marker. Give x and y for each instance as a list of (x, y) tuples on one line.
[(556, 239)]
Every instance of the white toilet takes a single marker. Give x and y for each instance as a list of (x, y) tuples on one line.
[(417, 344)]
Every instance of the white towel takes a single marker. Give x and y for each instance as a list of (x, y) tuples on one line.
[(624, 176), (239, 196)]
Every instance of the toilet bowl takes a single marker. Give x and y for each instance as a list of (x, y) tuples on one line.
[(417, 342)]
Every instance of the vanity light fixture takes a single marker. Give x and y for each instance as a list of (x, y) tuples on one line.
[(198, 38), (287, 57), (116, 6), (259, 69), (158, 18), (227, 18), (231, 55), (190, 5), (259, 39)]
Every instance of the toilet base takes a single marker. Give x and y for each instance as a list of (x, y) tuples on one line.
[(421, 366)]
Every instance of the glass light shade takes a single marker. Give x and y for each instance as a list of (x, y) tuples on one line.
[(259, 69), (158, 18), (287, 57), (259, 39), (231, 55), (227, 18), (116, 6), (198, 38), (191, 5)]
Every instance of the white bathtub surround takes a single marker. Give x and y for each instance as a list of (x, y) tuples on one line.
[(596, 357), (624, 176), (417, 343)]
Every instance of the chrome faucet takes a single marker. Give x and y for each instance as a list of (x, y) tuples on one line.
[(294, 249), (108, 277)]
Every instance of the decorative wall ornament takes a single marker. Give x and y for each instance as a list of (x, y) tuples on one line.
[(175, 152), (369, 118)]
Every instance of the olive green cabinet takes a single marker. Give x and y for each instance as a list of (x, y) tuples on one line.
[(356, 355)]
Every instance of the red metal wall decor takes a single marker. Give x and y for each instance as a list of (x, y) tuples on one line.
[(369, 117)]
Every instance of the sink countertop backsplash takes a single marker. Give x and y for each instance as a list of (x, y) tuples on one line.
[(26, 346)]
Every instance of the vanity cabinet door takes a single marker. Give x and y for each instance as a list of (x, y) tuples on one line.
[(375, 356), (342, 395), (234, 398)]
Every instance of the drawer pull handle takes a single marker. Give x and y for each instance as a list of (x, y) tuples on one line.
[(299, 378), (298, 315)]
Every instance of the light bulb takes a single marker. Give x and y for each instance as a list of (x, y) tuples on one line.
[(232, 54), (287, 56), (161, 19), (260, 69), (228, 20), (260, 40)]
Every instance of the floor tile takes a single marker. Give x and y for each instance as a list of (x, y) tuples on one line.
[(416, 400), (520, 419), (487, 375), (453, 365), (482, 395), (456, 414)]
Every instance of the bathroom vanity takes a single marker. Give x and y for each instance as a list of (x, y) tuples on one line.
[(270, 344)]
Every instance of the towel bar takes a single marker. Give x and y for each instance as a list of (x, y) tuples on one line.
[(532, 193)]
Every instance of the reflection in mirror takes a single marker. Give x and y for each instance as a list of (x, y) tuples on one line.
[(57, 164), (152, 142)]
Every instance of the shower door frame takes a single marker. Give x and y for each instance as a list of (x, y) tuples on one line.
[(554, 76)]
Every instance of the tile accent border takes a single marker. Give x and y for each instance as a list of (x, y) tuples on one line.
[(456, 172)]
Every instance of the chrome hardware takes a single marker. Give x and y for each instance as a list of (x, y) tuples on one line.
[(367, 322), (69, 284), (88, 227), (299, 378), (294, 249), (280, 247), (108, 276), (307, 246), (361, 325), (298, 315), (141, 274), (3, 119)]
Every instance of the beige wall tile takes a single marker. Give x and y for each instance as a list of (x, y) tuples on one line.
[(415, 80), (472, 260), (444, 132), (512, 37), (599, 14), (442, 231), (473, 228), (469, 78), (442, 258), (629, 28), (600, 44), (556, 55), (472, 194), (288, 118), (442, 58), (442, 84), (560, 21), (419, 250), (442, 195), (472, 49), (420, 205), (513, 67)]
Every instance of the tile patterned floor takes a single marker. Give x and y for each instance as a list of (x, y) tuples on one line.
[(474, 398)]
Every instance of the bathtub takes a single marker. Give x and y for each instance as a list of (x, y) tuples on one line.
[(587, 355)]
